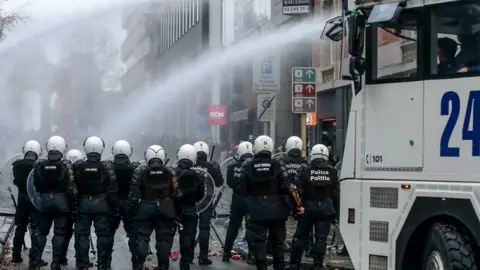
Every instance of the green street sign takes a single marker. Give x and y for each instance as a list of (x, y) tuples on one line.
[(304, 75)]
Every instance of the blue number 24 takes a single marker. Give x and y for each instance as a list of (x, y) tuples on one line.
[(450, 105)]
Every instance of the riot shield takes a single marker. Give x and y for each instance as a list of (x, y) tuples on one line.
[(7, 179), (223, 198), (7, 172), (209, 191), (222, 204), (32, 192)]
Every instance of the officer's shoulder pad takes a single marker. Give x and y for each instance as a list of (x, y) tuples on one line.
[(140, 169), (107, 163), (40, 160), (16, 162), (246, 162), (78, 162)]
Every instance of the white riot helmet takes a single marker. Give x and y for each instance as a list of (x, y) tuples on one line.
[(155, 152), (263, 143), (74, 155), (56, 143), (93, 144), (122, 147), (245, 148), (293, 143), (32, 146), (187, 151), (319, 151), (202, 147)]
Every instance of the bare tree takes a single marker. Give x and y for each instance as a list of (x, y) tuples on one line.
[(90, 67), (8, 19)]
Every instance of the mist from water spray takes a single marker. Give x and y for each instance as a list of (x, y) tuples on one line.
[(26, 67), (182, 79)]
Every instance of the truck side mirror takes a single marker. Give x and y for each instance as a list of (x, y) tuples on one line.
[(356, 34), (334, 29)]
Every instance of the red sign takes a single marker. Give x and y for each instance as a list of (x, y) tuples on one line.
[(217, 115), (304, 90)]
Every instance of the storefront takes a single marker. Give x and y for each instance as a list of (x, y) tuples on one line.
[(333, 108)]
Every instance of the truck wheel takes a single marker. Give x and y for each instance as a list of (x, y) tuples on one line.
[(447, 247)]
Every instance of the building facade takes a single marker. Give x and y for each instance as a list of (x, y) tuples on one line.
[(254, 20), (162, 37)]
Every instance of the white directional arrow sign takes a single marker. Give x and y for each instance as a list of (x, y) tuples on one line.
[(304, 90), (310, 103), (310, 73), (310, 88)]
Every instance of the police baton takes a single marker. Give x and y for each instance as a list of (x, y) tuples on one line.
[(211, 154)]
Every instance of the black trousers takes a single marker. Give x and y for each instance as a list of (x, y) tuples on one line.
[(273, 231)]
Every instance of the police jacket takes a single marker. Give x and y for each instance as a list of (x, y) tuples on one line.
[(54, 176), (191, 185), (155, 188), (211, 168), (318, 183), (124, 173), (264, 183), (54, 182), (96, 182), (292, 162), (21, 169)]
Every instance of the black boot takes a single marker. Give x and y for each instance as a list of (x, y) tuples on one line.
[(42, 263), (64, 261), (55, 265), (204, 260), (17, 259), (184, 266), (226, 257)]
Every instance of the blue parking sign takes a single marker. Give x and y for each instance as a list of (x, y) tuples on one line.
[(267, 67)]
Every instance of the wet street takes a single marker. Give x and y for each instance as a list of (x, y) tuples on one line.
[(121, 256)]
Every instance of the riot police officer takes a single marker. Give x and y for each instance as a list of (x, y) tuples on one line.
[(319, 187), (265, 183), (122, 152), (205, 216), (97, 201), (72, 156), (25, 212), (239, 206), (293, 160), (192, 188), (153, 190), (55, 186)]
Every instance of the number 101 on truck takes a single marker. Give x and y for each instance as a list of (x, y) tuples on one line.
[(410, 178)]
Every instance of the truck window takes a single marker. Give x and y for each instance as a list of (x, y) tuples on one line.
[(392, 50), (457, 29)]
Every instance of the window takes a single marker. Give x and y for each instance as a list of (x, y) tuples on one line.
[(197, 10), (457, 48), (182, 18), (392, 49), (191, 13)]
